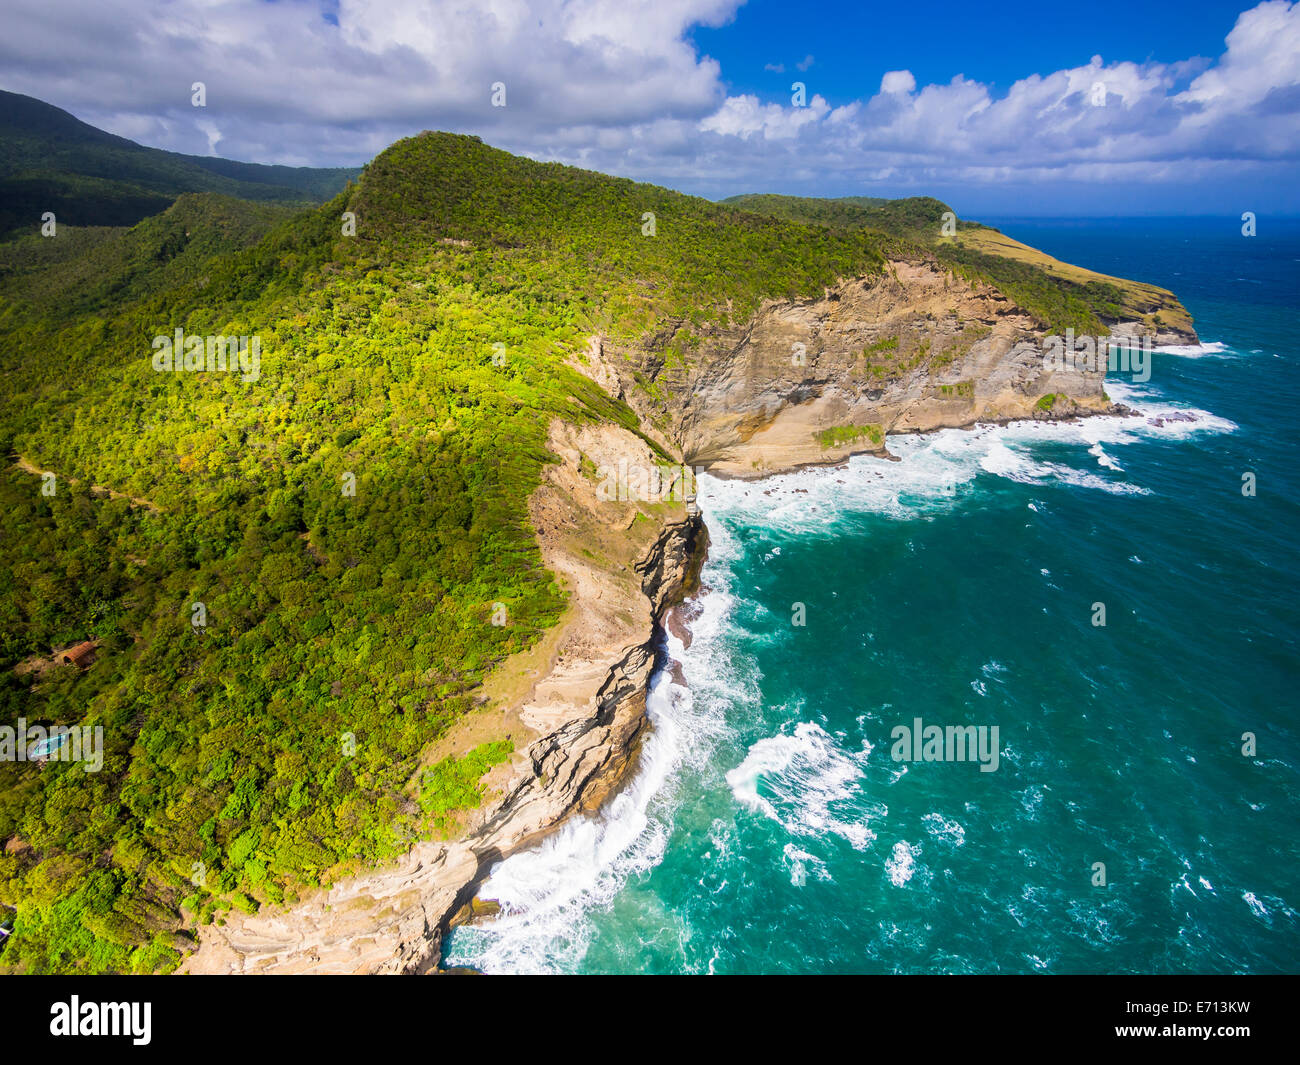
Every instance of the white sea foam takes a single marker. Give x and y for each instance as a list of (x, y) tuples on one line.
[(901, 864), (1030, 800), (1256, 907), (1194, 351), (942, 828), (799, 861), (806, 783), (935, 469), (549, 892), (805, 780), (1103, 459)]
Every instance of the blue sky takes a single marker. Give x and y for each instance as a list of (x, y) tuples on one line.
[(1047, 109), (853, 44)]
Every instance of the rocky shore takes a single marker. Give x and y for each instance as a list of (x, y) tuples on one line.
[(575, 706), (770, 396), (810, 382)]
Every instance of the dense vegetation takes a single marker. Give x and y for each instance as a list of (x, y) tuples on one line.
[(101, 267), (839, 435), (344, 524), (1058, 304), (848, 212), (348, 520), (51, 161)]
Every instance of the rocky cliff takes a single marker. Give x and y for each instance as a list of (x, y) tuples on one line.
[(914, 349), (575, 706)]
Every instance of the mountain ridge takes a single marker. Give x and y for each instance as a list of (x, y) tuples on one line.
[(52, 161)]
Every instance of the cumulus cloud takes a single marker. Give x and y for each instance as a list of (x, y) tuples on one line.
[(618, 85), (746, 116), (1144, 123), (896, 81), (286, 84)]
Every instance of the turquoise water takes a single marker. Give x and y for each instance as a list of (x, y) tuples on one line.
[(770, 830)]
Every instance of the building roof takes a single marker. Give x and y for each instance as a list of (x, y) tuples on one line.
[(81, 654)]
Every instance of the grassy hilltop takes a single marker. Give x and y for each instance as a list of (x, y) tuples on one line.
[(1060, 295)]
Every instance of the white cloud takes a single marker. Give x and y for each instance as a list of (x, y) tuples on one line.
[(1263, 54), (898, 81), (745, 116), (1241, 112), (617, 85), (213, 134), (284, 82)]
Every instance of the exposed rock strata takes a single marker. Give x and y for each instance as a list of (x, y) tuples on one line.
[(586, 712), (912, 350)]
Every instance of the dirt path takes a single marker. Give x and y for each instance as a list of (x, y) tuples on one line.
[(99, 489)]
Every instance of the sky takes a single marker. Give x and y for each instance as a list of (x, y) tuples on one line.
[(1024, 108)]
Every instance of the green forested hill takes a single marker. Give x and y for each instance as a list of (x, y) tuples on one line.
[(418, 361), (1059, 295), (901, 217), (51, 161), (344, 518), (87, 268)]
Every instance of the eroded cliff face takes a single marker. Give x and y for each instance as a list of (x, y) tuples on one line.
[(574, 705), (802, 382), (911, 350)]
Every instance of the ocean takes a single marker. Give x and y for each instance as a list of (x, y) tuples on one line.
[(1143, 813)]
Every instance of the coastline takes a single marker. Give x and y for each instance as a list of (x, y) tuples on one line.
[(586, 706), (586, 710), (586, 751), (540, 898), (582, 917)]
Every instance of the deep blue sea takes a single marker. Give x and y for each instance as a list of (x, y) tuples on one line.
[(770, 828)]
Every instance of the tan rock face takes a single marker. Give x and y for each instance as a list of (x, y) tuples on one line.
[(912, 350), (803, 382), (583, 705)]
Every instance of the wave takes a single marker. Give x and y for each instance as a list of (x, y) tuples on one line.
[(549, 893), (902, 862), (1195, 351), (802, 778), (799, 861), (935, 469), (803, 781), (942, 828), (1099, 453)]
